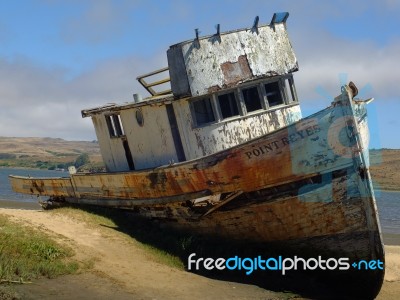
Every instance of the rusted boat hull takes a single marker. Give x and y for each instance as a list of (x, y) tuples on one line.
[(305, 187)]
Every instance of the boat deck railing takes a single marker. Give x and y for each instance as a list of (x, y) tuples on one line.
[(152, 80)]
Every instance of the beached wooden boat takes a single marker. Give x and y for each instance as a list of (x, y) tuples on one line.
[(226, 153)]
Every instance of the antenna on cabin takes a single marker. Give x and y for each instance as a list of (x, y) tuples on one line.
[(280, 17), (255, 24), (218, 30), (196, 40), (217, 36)]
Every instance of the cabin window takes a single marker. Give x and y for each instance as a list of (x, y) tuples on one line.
[(115, 125), (228, 105), (290, 90), (203, 111), (273, 93), (252, 99)]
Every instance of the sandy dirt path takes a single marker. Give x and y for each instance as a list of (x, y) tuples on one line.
[(122, 270)]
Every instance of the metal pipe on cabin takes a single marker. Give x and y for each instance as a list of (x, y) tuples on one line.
[(137, 98)]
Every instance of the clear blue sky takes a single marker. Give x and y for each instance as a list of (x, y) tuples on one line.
[(58, 57)]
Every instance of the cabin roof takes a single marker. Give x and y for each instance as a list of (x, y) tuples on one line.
[(276, 18), (111, 107)]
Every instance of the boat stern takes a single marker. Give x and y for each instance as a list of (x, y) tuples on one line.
[(52, 187)]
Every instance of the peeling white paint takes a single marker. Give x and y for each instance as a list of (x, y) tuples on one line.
[(215, 137), (151, 145), (267, 52)]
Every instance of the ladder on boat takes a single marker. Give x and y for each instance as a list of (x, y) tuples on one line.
[(155, 81)]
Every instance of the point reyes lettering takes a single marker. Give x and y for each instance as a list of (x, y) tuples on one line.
[(277, 144)]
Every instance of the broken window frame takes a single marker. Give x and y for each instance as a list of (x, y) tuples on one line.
[(290, 89), (279, 93), (234, 102), (114, 124), (287, 92), (260, 99), (210, 111)]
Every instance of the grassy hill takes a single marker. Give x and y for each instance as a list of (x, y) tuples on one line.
[(45, 153)]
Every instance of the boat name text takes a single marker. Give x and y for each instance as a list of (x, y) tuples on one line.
[(277, 144)]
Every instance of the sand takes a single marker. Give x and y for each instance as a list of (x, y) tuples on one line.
[(123, 269), (391, 286)]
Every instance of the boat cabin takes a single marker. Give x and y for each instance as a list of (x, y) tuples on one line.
[(221, 91)]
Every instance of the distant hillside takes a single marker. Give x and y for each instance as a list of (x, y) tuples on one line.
[(45, 153), (385, 168)]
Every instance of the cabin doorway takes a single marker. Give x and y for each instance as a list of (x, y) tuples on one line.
[(180, 153), (128, 155)]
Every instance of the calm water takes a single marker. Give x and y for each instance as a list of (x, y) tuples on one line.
[(389, 211), (388, 202), (6, 192)]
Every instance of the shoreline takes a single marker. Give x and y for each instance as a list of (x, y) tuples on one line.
[(17, 204), (386, 191)]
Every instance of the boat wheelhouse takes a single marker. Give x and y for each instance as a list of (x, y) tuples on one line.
[(225, 90)]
